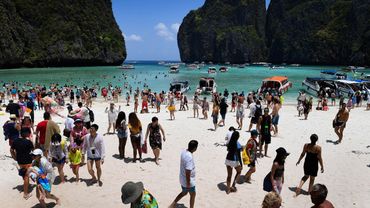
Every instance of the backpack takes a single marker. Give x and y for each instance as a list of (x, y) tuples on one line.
[(258, 111), (91, 115)]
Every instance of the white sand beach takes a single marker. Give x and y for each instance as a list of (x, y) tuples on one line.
[(346, 165)]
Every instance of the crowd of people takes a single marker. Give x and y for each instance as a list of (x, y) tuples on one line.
[(38, 147)]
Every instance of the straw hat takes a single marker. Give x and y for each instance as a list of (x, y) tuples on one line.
[(13, 116), (131, 192)]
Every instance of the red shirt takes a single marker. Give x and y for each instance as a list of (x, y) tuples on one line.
[(41, 127)]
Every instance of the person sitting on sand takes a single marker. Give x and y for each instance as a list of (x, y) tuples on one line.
[(135, 194), (340, 121), (318, 197), (272, 200), (155, 139), (187, 174), (251, 149), (233, 160), (313, 157)]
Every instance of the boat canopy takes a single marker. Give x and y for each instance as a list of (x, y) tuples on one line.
[(330, 72), (280, 79)]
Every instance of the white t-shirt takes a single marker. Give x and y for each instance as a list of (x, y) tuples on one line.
[(187, 163), (228, 136), (69, 123)]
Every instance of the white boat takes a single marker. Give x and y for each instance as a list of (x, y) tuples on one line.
[(347, 87), (276, 67), (127, 66), (332, 74), (224, 69), (207, 85), (279, 84), (193, 66), (212, 70), (179, 87), (315, 84), (174, 69)]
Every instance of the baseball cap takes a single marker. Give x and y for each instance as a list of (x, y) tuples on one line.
[(254, 132), (37, 152)]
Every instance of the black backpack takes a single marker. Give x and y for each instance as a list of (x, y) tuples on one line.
[(258, 111), (91, 115)]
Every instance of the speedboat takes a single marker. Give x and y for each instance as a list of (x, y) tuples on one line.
[(212, 70), (174, 69), (347, 87), (315, 84), (278, 84), (224, 69), (332, 74), (127, 66), (179, 87), (207, 85), (193, 66)]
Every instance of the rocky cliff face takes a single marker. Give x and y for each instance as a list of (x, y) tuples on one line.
[(40, 33), (334, 32), (224, 31)]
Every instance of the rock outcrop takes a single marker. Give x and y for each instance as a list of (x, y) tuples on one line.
[(42, 33), (224, 31), (333, 32)]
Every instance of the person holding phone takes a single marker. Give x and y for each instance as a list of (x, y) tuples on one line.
[(95, 149)]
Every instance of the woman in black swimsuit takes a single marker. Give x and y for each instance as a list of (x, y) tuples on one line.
[(311, 166), (155, 138)]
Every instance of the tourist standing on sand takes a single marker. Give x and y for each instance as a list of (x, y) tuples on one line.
[(20, 151), (275, 179), (251, 149), (240, 115), (135, 127), (196, 106), (272, 200), (112, 116), (187, 174), (255, 113), (135, 194), (233, 160), (311, 166), (95, 148), (11, 129), (171, 107), (205, 108), (58, 153), (318, 197), (121, 128), (307, 106), (215, 112), (275, 115), (223, 111), (155, 138), (340, 121), (136, 103), (264, 127)]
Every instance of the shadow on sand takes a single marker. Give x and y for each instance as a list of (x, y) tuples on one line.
[(303, 192)]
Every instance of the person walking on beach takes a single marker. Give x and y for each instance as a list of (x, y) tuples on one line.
[(135, 127), (112, 116), (223, 111), (187, 174), (20, 151), (172, 107), (307, 107), (135, 194), (275, 115), (233, 160), (205, 108), (255, 113), (215, 112), (58, 153), (274, 180), (313, 157), (251, 149), (196, 106), (155, 138), (340, 121), (11, 129), (239, 115), (121, 128), (264, 127), (95, 148), (75, 159), (318, 197)]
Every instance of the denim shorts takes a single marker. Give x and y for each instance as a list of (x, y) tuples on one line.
[(186, 190)]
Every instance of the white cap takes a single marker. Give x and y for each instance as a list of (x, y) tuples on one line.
[(37, 152)]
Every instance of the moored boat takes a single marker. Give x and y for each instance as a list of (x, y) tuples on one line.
[(279, 84), (127, 66), (179, 87), (212, 70), (174, 69), (207, 85), (224, 69)]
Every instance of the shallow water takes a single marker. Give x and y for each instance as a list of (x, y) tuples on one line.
[(236, 79)]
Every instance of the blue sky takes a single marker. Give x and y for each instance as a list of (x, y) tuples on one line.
[(150, 26)]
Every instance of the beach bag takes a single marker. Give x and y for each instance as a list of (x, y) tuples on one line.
[(267, 185), (144, 148), (245, 158)]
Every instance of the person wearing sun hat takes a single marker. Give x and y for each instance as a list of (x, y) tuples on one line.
[(275, 179), (137, 196)]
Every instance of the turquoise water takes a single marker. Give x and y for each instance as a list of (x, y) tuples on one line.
[(236, 79)]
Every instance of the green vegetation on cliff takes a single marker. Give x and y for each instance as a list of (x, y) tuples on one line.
[(59, 33)]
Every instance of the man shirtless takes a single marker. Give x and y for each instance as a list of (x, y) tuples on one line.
[(275, 115), (340, 121)]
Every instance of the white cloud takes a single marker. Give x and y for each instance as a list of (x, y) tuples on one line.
[(132, 37), (175, 27), (164, 32)]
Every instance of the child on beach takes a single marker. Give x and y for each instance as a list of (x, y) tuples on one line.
[(75, 156)]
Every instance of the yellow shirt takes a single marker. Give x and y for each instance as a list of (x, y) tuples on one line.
[(134, 130), (75, 158)]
